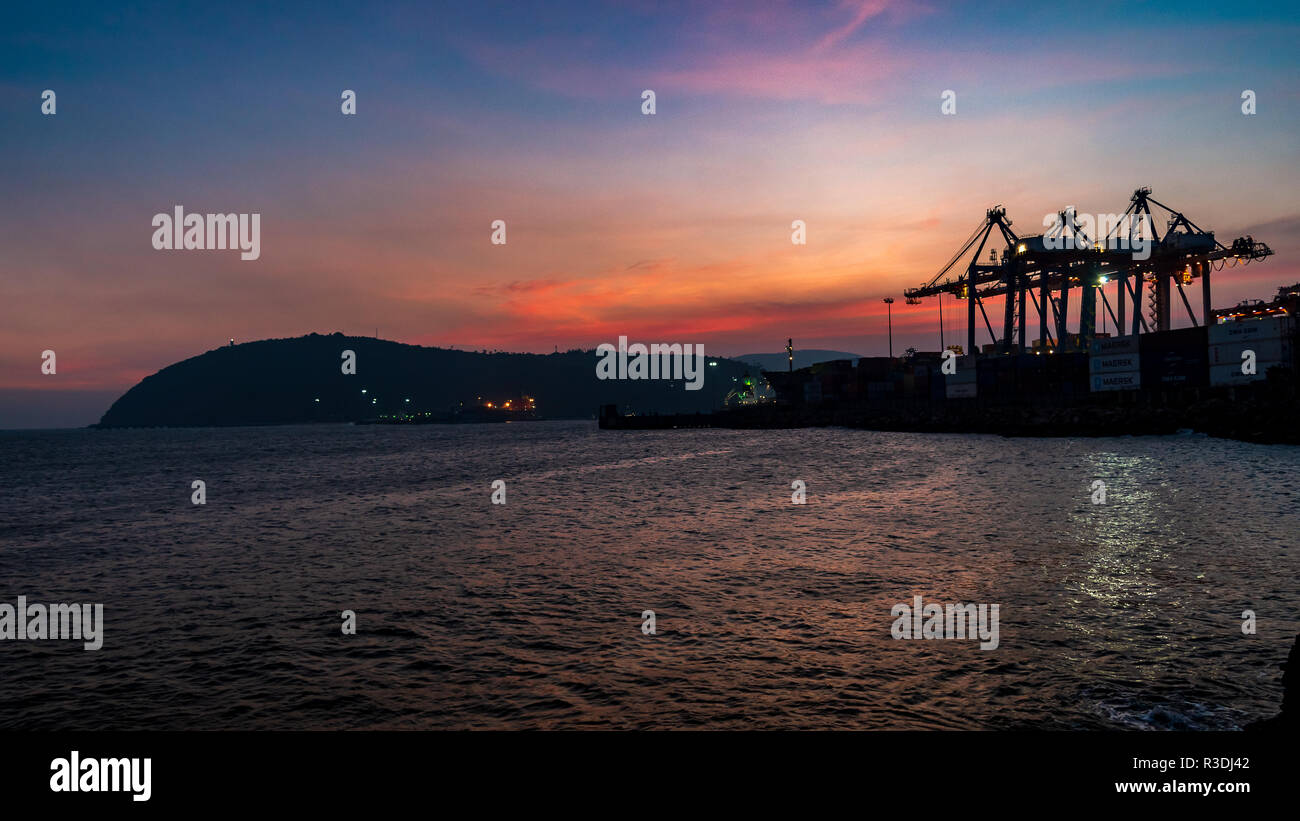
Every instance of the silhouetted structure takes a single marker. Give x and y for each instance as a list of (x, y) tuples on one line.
[(1045, 268)]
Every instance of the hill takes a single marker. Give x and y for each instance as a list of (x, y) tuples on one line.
[(298, 380)]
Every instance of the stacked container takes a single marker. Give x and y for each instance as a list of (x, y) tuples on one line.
[(962, 384), (1175, 359), (1115, 364), (1269, 339)]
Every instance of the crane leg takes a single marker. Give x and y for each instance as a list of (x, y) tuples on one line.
[(1120, 330), (1205, 291)]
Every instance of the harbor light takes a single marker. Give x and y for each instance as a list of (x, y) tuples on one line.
[(889, 315)]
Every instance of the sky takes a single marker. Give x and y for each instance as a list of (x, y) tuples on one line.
[(671, 227)]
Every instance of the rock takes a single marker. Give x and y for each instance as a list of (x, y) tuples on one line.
[(1289, 718)]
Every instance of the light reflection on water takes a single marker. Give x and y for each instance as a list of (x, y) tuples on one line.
[(1125, 614)]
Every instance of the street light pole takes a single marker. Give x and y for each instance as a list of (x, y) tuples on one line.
[(941, 347), (889, 309)]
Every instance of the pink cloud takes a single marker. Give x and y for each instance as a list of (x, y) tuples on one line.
[(765, 54), (863, 11)]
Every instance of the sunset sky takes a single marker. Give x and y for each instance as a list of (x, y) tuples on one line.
[(673, 227)]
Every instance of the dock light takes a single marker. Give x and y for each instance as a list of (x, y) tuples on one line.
[(363, 390), (889, 313), (1104, 279), (1020, 249)]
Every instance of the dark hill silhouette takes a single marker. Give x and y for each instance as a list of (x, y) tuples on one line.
[(278, 381)]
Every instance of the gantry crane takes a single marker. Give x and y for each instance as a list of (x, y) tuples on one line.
[(1045, 268)]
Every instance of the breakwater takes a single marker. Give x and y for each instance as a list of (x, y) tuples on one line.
[(1262, 412)]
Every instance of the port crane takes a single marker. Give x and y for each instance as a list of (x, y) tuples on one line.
[(1043, 270)]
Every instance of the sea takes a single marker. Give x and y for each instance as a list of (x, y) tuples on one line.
[(1166, 605)]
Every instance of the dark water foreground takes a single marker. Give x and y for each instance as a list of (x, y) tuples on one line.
[(769, 614)]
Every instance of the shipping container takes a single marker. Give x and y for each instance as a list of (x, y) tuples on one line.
[(1266, 350), (1117, 381), (1185, 241), (1178, 339), (828, 380), (1177, 373), (1175, 370), (1175, 359), (938, 390), (1230, 374), (1243, 330), (1110, 363), (966, 371), (876, 368), (1006, 386), (1114, 345)]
